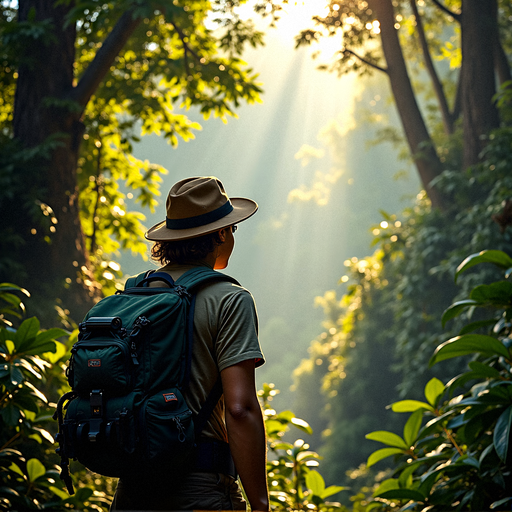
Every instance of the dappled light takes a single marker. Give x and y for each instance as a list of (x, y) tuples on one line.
[(375, 137)]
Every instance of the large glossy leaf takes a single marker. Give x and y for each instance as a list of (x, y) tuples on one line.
[(484, 370), (474, 326), (402, 494), (382, 454), (496, 294), (433, 390), (502, 433), (410, 406), (468, 344), (498, 258), (456, 309), (389, 438), (26, 332)]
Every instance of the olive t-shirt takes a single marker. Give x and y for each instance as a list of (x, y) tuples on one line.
[(225, 333)]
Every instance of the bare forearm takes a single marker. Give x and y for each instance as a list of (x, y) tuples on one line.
[(246, 433)]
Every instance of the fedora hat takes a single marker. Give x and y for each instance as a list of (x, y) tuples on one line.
[(199, 206)]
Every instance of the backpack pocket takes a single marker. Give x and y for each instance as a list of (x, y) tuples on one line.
[(101, 434), (104, 364), (167, 429)]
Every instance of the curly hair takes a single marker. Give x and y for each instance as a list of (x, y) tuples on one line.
[(185, 251)]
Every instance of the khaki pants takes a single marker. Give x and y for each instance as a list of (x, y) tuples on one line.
[(195, 491)]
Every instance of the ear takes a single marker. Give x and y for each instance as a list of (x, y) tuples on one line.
[(223, 234)]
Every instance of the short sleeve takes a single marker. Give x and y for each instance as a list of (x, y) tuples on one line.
[(237, 334)]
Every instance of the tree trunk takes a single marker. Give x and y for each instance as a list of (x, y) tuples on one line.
[(479, 32), (53, 254), (420, 144)]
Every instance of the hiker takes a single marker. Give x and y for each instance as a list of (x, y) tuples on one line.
[(198, 231)]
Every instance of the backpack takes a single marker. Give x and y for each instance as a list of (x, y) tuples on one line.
[(128, 371)]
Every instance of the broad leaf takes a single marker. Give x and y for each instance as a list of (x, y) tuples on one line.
[(498, 258), (402, 494), (473, 326), (484, 370), (433, 390), (468, 344), (315, 482), (456, 309), (502, 433), (332, 489), (388, 438), (410, 406), (497, 294), (382, 454), (412, 427), (388, 485), (26, 332), (35, 469)]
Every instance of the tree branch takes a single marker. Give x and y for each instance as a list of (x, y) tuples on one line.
[(104, 58), (436, 82), (366, 61), (454, 15)]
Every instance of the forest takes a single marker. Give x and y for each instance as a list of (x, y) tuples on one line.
[(382, 262)]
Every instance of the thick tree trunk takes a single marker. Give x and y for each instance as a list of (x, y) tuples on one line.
[(420, 144), (53, 254), (479, 32)]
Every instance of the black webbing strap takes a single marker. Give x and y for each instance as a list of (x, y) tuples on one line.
[(214, 456)]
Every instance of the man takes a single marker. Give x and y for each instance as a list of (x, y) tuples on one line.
[(198, 231)]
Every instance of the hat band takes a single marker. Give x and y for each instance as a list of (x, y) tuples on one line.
[(200, 220)]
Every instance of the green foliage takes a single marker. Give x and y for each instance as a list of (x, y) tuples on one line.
[(31, 377), (460, 458), (182, 56), (292, 482)]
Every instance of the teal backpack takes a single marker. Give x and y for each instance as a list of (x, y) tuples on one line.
[(128, 372)]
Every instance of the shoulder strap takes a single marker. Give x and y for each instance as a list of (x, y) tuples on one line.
[(133, 281), (197, 276)]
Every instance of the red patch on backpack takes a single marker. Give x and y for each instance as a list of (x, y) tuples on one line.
[(169, 397), (94, 363)]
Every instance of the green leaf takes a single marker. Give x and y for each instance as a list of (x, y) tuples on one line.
[(302, 425), (433, 390), (382, 454), (35, 469), (412, 427), (387, 485), (498, 258), (502, 432), (468, 344), (456, 309), (16, 469), (484, 370), (473, 326), (500, 502), (497, 294), (388, 438), (58, 492), (410, 406), (26, 332), (315, 482), (402, 494), (332, 489)]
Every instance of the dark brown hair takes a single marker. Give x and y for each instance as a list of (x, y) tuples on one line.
[(185, 251)]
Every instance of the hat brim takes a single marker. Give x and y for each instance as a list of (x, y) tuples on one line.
[(242, 209)]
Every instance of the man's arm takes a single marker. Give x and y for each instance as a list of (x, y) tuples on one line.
[(246, 432)]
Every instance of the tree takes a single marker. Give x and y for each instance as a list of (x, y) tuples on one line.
[(81, 78), (388, 35)]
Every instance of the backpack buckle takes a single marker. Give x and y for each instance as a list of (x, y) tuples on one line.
[(96, 404)]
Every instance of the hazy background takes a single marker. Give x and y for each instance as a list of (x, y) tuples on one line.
[(303, 155)]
